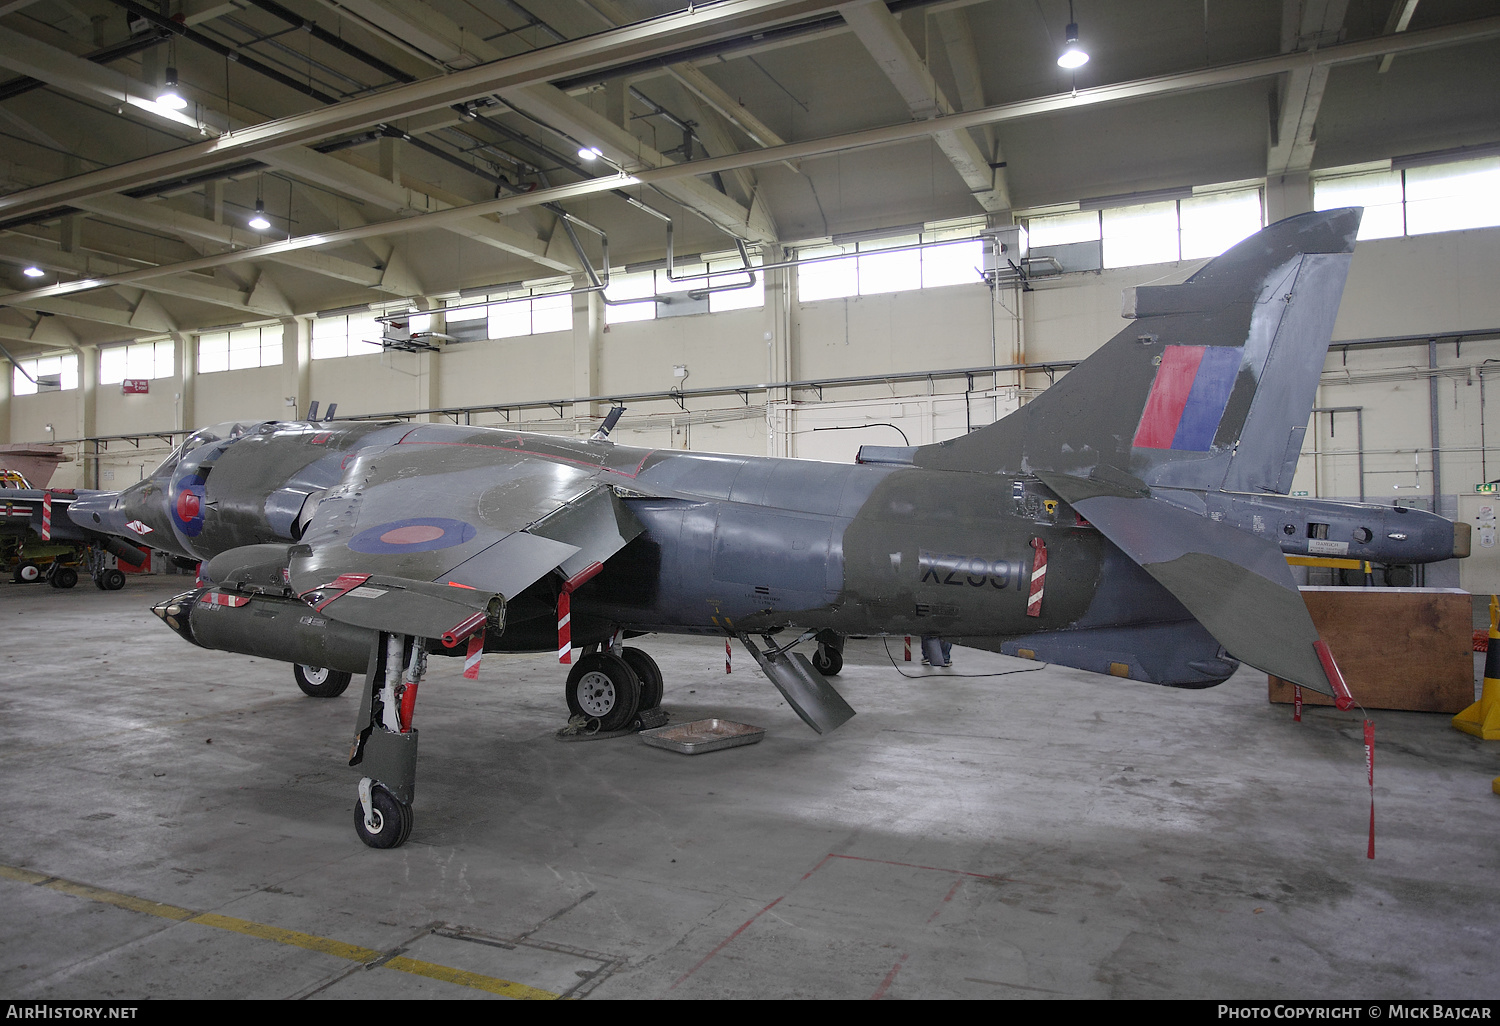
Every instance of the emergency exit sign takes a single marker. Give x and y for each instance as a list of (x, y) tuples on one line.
[(1485, 489)]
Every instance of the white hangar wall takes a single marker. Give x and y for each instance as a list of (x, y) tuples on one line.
[(1418, 286)]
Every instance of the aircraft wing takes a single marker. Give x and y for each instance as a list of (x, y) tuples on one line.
[(420, 533), (1236, 584)]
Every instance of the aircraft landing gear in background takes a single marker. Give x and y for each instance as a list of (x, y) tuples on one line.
[(26, 572), (109, 580), (321, 682), (63, 577)]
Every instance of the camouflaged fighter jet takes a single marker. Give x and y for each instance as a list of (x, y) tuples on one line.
[(1131, 520)]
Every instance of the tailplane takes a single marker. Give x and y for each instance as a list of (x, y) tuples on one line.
[(1209, 387)]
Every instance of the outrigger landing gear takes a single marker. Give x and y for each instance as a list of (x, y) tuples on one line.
[(385, 744), (828, 659)]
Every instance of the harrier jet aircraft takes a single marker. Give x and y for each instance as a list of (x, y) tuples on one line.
[(1131, 520)]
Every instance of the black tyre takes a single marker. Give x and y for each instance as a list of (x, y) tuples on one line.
[(828, 661), (1400, 576), (603, 687), (27, 572), (392, 818), (649, 675), (112, 580), (65, 577), (321, 682)]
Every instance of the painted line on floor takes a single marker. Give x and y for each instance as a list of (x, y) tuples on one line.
[(293, 938), (960, 873), (890, 978)]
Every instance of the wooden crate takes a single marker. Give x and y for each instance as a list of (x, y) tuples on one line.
[(1399, 648)]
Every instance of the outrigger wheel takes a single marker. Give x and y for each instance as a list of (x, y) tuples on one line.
[(603, 687)]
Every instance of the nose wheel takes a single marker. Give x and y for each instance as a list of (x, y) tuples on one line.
[(380, 818)]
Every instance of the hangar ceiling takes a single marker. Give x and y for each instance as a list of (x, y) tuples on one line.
[(403, 148)]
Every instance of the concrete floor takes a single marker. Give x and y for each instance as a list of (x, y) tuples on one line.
[(181, 826)]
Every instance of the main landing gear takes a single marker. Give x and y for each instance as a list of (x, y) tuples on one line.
[(385, 743), (613, 686)]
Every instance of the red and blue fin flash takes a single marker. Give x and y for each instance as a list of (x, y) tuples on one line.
[(1188, 397)]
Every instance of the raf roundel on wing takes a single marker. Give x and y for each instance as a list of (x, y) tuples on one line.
[(417, 534)]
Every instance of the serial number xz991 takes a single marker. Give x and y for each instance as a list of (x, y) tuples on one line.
[(975, 571)]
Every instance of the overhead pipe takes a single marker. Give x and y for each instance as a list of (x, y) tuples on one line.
[(324, 36)]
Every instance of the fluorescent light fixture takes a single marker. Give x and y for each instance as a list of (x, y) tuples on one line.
[(259, 222), (169, 97), (33, 271), (590, 152)]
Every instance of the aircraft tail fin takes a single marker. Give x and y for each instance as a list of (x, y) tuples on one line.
[(1210, 386)]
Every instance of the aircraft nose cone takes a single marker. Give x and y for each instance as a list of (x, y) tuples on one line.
[(174, 612), (100, 511)]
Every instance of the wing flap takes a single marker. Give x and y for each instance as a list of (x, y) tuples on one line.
[(402, 606)]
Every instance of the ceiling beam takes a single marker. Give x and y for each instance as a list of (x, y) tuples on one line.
[(1162, 85), (344, 177), (158, 216), (18, 250), (665, 34), (1398, 21), (882, 35), (449, 42), (1306, 25), (82, 78), (556, 108), (87, 79)]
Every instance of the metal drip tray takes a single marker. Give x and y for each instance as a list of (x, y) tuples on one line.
[(703, 736)]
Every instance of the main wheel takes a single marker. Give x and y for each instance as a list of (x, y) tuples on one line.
[(320, 681), (828, 661), (649, 675), (64, 577), (27, 572), (112, 580), (603, 687), (392, 820)]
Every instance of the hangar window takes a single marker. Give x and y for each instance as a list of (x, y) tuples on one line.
[(891, 264), (345, 335), (1190, 228), (238, 349), (537, 315), (138, 360), (721, 272), (48, 374), (1416, 200)]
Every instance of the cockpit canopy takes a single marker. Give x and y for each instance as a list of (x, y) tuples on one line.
[(228, 431)]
